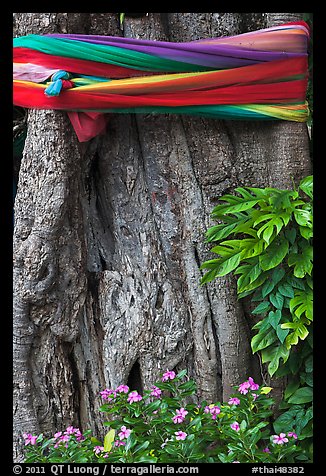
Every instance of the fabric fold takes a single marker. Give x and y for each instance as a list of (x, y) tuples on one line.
[(257, 75)]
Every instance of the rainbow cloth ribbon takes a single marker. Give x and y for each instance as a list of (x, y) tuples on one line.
[(257, 75)]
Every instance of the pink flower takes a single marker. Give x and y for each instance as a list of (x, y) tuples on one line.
[(235, 461), (79, 435), (62, 439), (98, 449), (234, 401), (253, 385), (177, 419), (155, 391), (108, 394), (294, 435), (180, 415), (29, 439), (235, 426), (280, 439), (122, 389), (70, 430), (266, 450), (255, 396), (134, 397), (168, 375), (180, 435), (57, 435), (213, 410), (119, 443), (243, 387), (124, 433)]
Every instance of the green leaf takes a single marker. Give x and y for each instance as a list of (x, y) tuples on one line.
[(302, 262), (196, 422), (292, 386), (244, 192), (301, 303), (286, 290), (95, 441), (274, 255), (267, 288), (290, 234), (292, 339), (130, 442), (309, 364), (277, 300), (182, 373), (302, 331), (303, 217), (141, 447), (306, 185), (261, 308), (263, 217), (153, 406), (282, 333), (260, 193), (267, 230), (281, 199), (223, 266), (265, 390), (277, 275), (287, 421), (262, 340), (108, 440), (307, 379), (274, 318), (146, 459), (209, 276), (239, 207), (296, 282), (302, 395), (251, 277), (219, 232), (247, 289), (251, 247), (189, 385), (306, 232), (279, 352), (243, 425)]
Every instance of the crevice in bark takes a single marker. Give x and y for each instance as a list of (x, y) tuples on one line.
[(68, 348), (134, 380), (91, 174), (159, 298)]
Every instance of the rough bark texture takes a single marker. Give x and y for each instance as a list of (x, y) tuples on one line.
[(109, 238)]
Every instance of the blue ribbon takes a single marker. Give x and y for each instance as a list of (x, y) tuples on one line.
[(55, 86)]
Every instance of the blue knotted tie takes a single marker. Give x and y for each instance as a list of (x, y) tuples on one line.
[(55, 86)]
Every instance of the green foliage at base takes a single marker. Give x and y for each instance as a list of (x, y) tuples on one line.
[(161, 426)]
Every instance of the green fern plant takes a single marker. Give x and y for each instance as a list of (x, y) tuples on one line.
[(264, 237)]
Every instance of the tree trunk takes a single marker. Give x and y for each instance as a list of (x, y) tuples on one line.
[(109, 237)]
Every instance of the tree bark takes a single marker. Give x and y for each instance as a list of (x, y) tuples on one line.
[(109, 237)]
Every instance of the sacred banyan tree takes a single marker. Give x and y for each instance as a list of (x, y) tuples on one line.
[(146, 138)]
